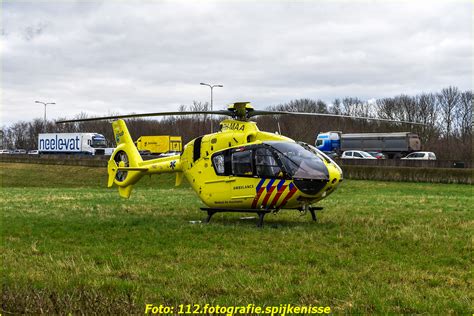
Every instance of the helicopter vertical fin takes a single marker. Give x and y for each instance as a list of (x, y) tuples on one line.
[(112, 169), (121, 134), (125, 191), (179, 179), (125, 156)]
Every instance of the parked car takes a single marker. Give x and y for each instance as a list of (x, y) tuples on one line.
[(420, 155), (33, 152), (376, 154), (4, 152), (356, 154), (19, 152)]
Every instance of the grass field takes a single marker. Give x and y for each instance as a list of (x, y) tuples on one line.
[(71, 245)]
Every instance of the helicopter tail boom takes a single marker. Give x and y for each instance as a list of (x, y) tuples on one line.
[(126, 167)]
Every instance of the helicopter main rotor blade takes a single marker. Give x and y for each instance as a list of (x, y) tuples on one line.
[(113, 117), (257, 112), (235, 114)]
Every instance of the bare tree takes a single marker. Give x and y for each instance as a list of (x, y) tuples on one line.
[(448, 115), (464, 115), (427, 113), (448, 100)]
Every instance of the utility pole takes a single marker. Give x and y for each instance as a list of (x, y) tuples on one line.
[(45, 104), (212, 87)]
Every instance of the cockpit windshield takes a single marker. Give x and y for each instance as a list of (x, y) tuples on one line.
[(300, 162)]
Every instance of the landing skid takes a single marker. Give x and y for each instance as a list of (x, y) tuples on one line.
[(261, 213), (312, 211)]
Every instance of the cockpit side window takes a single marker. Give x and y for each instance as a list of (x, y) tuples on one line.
[(266, 165), (242, 163), (219, 163), (300, 162)]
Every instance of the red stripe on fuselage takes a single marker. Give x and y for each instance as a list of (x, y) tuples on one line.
[(269, 193), (257, 197), (277, 196), (288, 196)]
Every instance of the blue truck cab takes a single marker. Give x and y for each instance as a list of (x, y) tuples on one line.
[(329, 141)]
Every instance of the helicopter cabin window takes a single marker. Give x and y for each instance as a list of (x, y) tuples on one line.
[(266, 165), (242, 163), (319, 142), (197, 148)]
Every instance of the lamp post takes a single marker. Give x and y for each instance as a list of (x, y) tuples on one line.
[(45, 104), (212, 87)]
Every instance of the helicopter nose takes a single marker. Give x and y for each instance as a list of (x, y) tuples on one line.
[(310, 186), (311, 177)]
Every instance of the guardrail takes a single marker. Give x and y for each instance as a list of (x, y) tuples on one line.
[(405, 174), (405, 163), (73, 160)]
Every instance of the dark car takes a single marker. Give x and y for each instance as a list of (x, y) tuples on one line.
[(144, 152), (331, 154), (376, 154)]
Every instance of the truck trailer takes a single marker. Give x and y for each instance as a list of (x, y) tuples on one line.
[(159, 144), (72, 143), (392, 145)]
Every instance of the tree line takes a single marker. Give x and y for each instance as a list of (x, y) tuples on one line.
[(447, 116)]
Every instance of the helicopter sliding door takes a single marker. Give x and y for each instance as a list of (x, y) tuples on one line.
[(242, 163), (242, 166)]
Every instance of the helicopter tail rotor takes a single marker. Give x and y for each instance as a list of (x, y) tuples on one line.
[(124, 165)]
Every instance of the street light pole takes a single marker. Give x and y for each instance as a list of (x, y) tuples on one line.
[(45, 104), (212, 87)]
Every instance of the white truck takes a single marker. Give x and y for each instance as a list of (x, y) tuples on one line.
[(72, 143)]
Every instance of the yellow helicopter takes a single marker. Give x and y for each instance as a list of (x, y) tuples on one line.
[(237, 169)]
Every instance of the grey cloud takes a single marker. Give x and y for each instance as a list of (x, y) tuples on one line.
[(101, 57)]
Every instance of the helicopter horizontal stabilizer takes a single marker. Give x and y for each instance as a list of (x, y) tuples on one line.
[(114, 169), (133, 168)]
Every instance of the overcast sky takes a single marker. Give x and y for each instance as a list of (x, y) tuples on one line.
[(136, 56)]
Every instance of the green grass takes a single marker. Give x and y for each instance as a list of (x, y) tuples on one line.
[(71, 245)]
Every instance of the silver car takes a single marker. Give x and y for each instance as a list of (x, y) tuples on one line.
[(356, 154), (421, 155)]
